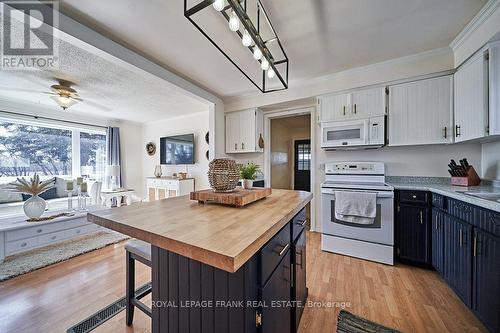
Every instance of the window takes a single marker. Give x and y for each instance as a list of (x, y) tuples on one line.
[(92, 155), (27, 148)]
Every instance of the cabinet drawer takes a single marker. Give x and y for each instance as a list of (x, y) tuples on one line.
[(298, 224), (54, 237), (418, 197), (439, 201), (272, 253), (44, 229), (20, 245), (82, 230)]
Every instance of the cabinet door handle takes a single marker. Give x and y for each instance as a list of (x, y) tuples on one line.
[(302, 223), (39, 230), (242, 145), (421, 217), (24, 244), (461, 238), (475, 245), (457, 130), (292, 275), (235, 146), (296, 255), (344, 110), (414, 196), (283, 250), (355, 108), (446, 132), (436, 222)]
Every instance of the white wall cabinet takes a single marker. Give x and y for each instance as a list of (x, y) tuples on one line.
[(471, 99), (362, 103), (421, 112), (243, 129), (494, 88)]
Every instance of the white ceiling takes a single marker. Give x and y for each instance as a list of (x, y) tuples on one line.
[(320, 36), (108, 89)]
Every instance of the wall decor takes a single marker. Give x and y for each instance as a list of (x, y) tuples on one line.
[(207, 155), (207, 138), (158, 171), (261, 141), (151, 148), (248, 21)]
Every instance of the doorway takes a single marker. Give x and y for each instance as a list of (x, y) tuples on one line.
[(302, 165)]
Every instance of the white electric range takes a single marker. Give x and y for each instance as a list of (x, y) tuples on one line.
[(373, 241)]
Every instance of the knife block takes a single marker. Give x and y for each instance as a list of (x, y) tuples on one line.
[(472, 179)]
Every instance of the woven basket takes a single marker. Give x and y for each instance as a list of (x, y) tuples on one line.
[(223, 174)]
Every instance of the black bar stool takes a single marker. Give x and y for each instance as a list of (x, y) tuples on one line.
[(141, 251)]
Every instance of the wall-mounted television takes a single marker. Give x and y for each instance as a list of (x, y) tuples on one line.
[(178, 149)]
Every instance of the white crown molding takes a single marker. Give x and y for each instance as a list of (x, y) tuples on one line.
[(332, 76), (485, 12)]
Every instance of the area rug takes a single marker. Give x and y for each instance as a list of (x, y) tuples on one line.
[(44, 256), (349, 323)]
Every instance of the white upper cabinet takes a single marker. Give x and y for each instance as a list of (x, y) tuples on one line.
[(368, 103), (471, 98), (421, 112), (243, 129), (494, 88), (358, 104)]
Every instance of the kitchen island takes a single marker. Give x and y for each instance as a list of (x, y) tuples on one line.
[(221, 269)]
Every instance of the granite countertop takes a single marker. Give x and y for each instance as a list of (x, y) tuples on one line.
[(442, 186)]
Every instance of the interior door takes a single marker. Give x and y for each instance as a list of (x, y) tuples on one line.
[(302, 165)]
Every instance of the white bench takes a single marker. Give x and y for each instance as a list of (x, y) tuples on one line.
[(17, 235)]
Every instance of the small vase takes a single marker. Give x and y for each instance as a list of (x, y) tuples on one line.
[(158, 172), (247, 184), (34, 207)]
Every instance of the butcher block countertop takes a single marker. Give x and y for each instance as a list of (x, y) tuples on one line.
[(219, 236)]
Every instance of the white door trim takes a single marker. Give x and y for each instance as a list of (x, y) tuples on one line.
[(311, 111)]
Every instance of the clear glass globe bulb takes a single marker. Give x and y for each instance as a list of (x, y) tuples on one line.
[(264, 64), (270, 73), (234, 22), (257, 53), (218, 5), (246, 40)]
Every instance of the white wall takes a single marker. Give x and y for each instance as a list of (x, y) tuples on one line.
[(130, 148), (198, 124), (491, 160)]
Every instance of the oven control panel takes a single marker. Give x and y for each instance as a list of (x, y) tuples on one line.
[(355, 168)]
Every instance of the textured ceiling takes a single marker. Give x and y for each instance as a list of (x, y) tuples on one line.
[(320, 36), (108, 90)]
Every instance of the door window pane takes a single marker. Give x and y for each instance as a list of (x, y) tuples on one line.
[(26, 149), (92, 155), (304, 156)]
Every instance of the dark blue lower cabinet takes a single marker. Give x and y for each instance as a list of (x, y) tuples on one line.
[(276, 295), (299, 289), (437, 240), (414, 238), (486, 291), (457, 257)]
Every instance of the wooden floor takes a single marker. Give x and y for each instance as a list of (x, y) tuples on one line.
[(406, 298)]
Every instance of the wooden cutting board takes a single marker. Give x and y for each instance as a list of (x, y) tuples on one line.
[(238, 198)]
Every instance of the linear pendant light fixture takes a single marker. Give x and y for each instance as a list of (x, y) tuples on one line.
[(268, 53)]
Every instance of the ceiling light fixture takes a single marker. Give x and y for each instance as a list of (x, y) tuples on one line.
[(257, 29), (64, 95)]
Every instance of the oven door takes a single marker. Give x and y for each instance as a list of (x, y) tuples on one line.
[(381, 231), (344, 133)]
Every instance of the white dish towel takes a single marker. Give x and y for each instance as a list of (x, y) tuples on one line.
[(356, 207)]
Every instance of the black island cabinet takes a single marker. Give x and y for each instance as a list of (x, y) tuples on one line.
[(464, 248), (266, 294)]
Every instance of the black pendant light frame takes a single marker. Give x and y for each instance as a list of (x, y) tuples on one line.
[(240, 12)]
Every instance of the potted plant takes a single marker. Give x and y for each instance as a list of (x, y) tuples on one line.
[(34, 206), (248, 173)]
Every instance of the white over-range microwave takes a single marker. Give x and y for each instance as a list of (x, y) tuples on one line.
[(353, 134)]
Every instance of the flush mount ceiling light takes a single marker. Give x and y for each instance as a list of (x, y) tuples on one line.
[(64, 95), (248, 21)]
